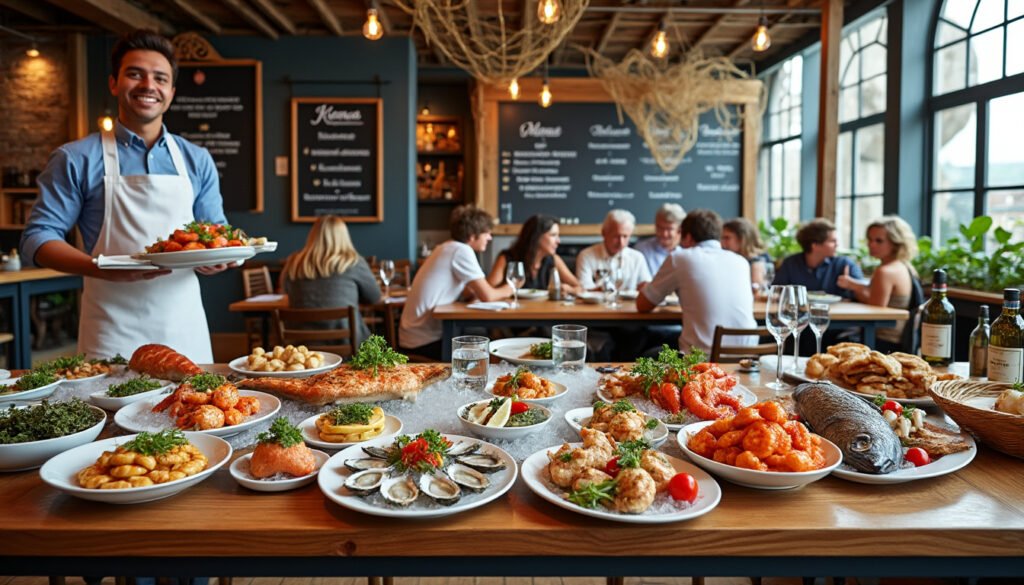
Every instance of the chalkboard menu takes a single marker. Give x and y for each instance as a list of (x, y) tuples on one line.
[(575, 161), (219, 106), (336, 150)]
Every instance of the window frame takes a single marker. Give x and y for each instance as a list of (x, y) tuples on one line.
[(767, 145)]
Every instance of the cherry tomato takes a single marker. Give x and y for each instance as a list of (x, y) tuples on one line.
[(682, 486), (918, 456), (518, 407), (612, 468), (893, 406)]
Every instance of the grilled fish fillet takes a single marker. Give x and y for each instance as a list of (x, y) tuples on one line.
[(937, 440), (344, 384)]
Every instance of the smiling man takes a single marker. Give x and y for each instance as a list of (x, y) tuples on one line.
[(124, 188)]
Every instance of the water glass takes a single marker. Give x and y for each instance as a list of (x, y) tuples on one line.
[(569, 346), (612, 285), (819, 321), (470, 357), (778, 326), (515, 275), (802, 320), (387, 274)]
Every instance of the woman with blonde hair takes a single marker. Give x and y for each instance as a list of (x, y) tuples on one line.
[(329, 272), (740, 235)]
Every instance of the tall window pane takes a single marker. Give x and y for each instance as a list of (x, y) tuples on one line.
[(969, 43), (950, 210), (1005, 164), (954, 138), (779, 170)]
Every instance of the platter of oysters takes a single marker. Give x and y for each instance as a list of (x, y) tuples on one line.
[(417, 476)]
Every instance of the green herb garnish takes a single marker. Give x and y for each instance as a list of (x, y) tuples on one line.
[(205, 382), (598, 405), (541, 350), (1018, 386), (134, 386), (630, 452), (513, 382), (68, 362), (669, 366), (652, 424), (349, 414), (376, 353), (594, 493), (650, 372), (46, 421), (623, 406), (565, 457), (281, 432), (495, 404), (156, 443), (117, 360), (32, 380)]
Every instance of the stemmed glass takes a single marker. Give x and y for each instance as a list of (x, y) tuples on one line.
[(515, 274), (802, 320), (819, 321), (612, 285), (387, 274), (778, 327)]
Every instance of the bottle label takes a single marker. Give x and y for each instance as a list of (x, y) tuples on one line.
[(936, 340), (1005, 364)]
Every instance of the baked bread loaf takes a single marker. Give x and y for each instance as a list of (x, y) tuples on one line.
[(160, 361)]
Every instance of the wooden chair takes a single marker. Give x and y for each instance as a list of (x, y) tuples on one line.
[(255, 281), (399, 284), (317, 339), (734, 353)]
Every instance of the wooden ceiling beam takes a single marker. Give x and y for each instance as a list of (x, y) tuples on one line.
[(326, 15), (188, 8), (716, 25), (276, 15), (606, 36), (33, 10), (252, 17), (117, 16)]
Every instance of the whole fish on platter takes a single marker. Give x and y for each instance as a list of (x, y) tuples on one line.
[(347, 384)]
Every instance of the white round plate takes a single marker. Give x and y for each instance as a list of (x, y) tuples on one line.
[(392, 426), (765, 480), (80, 381), (560, 390), (332, 483), (822, 297), (194, 258), (4, 374), (629, 295), (532, 294), (746, 396), (506, 433), (30, 455), (941, 466), (240, 471), (101, 399), (515, 349), (709, 493), (331, 361), (592, 297), (61, 471), (768, 362), (139, 416), (33, 394), (578, 418)]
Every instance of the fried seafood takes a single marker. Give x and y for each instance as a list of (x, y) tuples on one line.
[(635, 491), (147, 460), (207, 401), (856, 366), (620, 420), (524, 384)]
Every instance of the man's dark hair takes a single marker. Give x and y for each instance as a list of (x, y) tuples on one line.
[(143, 39), (815, 231), (468, 221), (702, 225)]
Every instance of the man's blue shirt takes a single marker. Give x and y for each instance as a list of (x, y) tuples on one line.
[(794, 270)]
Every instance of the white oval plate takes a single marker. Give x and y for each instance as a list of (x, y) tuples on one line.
[(765, 480), (709, 493), (139, 416), (578, 418), (746, 396), (514, 349), (822, 297), (331, 361), (101, 399), (61, 471), (240, 471), (506, 433), (941, 466), (532, 294), (332, 483), (591, 297), (4, 374), (560, 390), (30, 455), (392, 426), (194, 258), (33, 394), (80, 381)]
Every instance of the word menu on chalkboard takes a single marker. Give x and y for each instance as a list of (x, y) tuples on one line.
[(336, 167), (219, 106), (575, 161)]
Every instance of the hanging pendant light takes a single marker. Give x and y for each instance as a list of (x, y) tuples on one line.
[(372, 28), (761, 40), (513, 89), (32, 51), (659, 45), (545, 90), (549, 11)]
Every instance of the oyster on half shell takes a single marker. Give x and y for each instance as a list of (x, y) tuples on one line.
[(468, 478), (366, 482), (440, 488), (400, 491)]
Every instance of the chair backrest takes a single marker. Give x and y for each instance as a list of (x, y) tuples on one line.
[(403, 273), (734, 353), (256, 281), (330, 335)]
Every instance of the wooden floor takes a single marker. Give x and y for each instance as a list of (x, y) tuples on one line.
[(534, 581)]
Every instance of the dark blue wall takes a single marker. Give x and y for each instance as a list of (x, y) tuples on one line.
[(339, 61)]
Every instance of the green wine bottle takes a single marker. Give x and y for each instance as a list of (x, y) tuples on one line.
[(938, 318), (1006, 341), (978, 345)]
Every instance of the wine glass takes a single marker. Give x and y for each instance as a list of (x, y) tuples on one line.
[(819, 321), (612, 284), (802, 320), (778, 327), (515, 275), (387, 274)]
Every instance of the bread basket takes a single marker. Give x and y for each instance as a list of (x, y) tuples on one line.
[(999, 430)]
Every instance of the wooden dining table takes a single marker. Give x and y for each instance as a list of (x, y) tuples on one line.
[(967, 523), (456, 317)]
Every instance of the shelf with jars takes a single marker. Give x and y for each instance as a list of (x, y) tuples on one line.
[(15, 205), (440, 161)]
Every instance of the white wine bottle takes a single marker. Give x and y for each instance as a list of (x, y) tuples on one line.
[(938, 318), (1006, 341), (978, 345)]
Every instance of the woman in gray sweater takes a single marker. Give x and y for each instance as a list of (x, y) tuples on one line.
[(328, 272)]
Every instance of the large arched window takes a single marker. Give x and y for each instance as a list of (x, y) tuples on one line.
[(977, 110), (779, 179), (860, 167)]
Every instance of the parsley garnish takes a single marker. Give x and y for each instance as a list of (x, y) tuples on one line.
[(565, 457), (281, 432), (205, 382), (513, 382), (376, 353), (64, 363), (623, 406), (117, 360), (668, 367), (134, 386), (541, 350), (34, 379), (156, 443), (652, 424), (594, 493), (630, 452), (347, 414), (598, 405)]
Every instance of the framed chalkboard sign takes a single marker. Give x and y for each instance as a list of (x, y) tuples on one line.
[(219, 105), (336, 159)]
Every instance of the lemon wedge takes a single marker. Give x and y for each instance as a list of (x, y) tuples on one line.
[(501, 415)]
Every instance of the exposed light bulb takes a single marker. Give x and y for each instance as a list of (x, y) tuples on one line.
[(761, 40), (545, 95), (513, 89), (659, 46), (425, 110), (549, 11), (106, 123), (372, 28), (32, 51)]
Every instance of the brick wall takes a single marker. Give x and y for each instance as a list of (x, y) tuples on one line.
[(34, 102)]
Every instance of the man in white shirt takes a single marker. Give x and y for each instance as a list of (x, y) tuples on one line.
[(613, 251), (713, 284), (666, 236), (451, 269)]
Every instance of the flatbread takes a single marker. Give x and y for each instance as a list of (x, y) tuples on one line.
[(345, 384)]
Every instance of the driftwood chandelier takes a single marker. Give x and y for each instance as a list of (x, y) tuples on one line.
[(495, 50)]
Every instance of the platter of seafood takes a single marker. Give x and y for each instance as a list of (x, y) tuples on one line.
[(423, 476), (623, 482), (136, 468), (527, 386), (203, 244), (621, 420)]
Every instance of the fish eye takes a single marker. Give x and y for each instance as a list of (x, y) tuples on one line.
[(861, 443)]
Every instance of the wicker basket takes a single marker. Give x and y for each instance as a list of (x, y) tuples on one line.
[(999, 430)]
